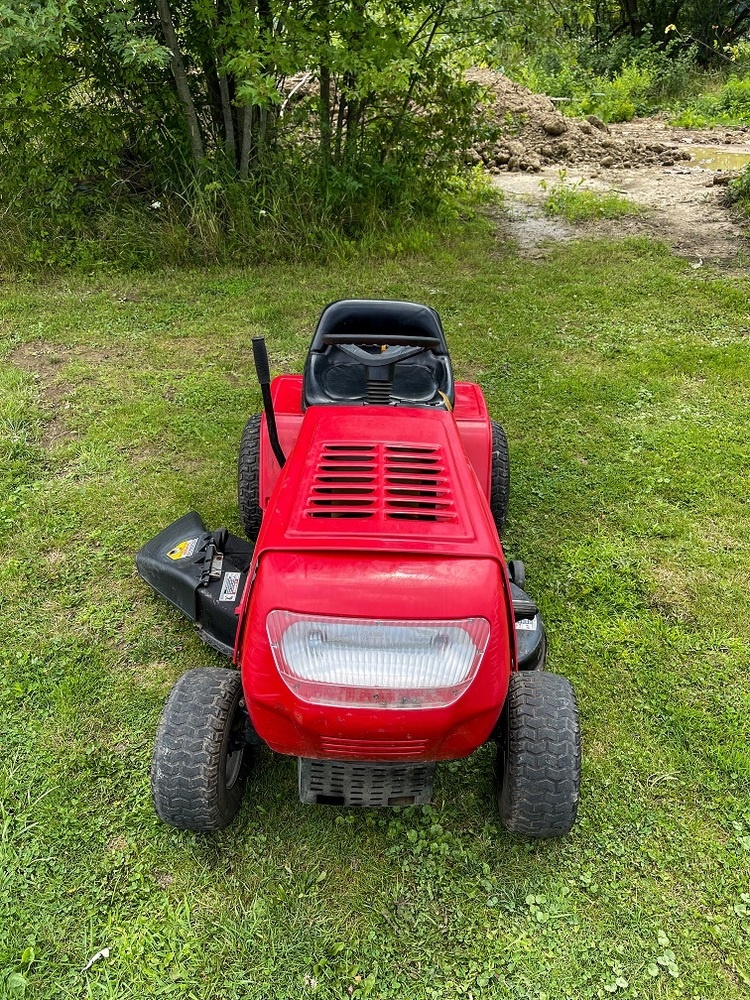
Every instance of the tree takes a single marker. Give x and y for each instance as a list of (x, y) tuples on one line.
[(128, 96)]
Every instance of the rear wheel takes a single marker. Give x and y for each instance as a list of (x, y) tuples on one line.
[(197, 773), (500, 477), (248, 478), (539, 762)]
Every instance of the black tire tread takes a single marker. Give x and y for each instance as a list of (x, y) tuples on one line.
[(541, 776), (188, 783), (248, 478), (500, 477)]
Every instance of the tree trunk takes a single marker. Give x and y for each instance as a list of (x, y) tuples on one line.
[(325, 116), (352, 124), (213, 93), (226, 108), (181, 80), (247, 142), (339, 125), (630, 11)]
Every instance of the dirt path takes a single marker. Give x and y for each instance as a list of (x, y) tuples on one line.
[(682, 204), (677, 175)]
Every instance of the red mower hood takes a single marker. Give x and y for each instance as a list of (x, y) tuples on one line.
[(376, 516), (385, 480)]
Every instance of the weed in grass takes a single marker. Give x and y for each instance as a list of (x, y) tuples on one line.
[(574, 203)]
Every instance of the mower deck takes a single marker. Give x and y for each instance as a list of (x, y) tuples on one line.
[(202, 573)]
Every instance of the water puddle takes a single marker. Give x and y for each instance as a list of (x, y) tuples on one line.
[(531, 230), (717, 158)]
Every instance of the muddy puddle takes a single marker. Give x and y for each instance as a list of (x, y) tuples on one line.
[(717, 158)]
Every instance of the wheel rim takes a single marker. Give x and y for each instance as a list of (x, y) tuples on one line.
[(235, 751)]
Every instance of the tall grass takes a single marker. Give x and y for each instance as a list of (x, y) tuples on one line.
[(292, 216)]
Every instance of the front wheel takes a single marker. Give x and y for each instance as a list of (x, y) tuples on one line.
[(197, 772), (539, 759)]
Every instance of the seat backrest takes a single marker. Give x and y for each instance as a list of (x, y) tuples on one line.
[(333, 377)]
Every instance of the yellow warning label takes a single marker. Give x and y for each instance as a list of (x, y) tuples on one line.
[(183, 550)]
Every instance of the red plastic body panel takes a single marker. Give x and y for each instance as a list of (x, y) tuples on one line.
[(469, 412), (375, 563), (378, 586)]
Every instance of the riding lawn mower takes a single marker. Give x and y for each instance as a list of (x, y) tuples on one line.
[(372, 621)]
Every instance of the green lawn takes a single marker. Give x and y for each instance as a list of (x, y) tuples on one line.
[(622, 377)]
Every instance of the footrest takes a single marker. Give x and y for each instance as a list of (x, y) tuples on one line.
[(364, 783)]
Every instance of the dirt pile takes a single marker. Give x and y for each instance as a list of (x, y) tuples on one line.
[(534, 134)]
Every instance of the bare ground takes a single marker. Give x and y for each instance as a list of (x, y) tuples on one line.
[(677, 176), (681, 205), (46, 362)]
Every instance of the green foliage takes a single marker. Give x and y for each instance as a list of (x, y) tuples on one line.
[(739, 191), (303, 118), (627, 79), (730, 105), (574, 203)]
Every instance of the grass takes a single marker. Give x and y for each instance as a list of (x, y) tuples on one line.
[(726, 105), (621, 375), (574, 203)]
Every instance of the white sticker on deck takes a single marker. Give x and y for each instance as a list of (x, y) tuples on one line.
[(229, 586), (526, 624)]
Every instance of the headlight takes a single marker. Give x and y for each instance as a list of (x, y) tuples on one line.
[(377, 664)]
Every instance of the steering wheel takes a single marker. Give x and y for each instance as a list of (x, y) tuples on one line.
[(398, 347), (390, 356)]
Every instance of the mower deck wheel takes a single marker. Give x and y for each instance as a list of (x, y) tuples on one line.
[(248, 478), (197, 773), (539, 759), (500, 477)]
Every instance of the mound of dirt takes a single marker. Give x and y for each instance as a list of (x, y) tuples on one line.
[(534, 134)]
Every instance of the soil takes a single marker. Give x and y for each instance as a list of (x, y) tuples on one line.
[(677, 175), (46, 363)]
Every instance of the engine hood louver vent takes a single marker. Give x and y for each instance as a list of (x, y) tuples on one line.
[(407, 482), (345, 483), (416, 486)]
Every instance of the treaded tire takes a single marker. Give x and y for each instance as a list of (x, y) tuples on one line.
[(539, 765), (248, 478), (500, 477), (197, 779)]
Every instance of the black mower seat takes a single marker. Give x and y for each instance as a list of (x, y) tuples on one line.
[(378, 352)]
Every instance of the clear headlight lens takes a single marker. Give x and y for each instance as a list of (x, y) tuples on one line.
[(380, 664)]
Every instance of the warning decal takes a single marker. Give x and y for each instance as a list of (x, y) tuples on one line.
[(184, 550), (229, 587)]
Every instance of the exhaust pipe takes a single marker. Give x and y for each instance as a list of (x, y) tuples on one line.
[(262, 370)]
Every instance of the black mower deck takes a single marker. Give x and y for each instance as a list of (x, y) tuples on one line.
[(202, 573)]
